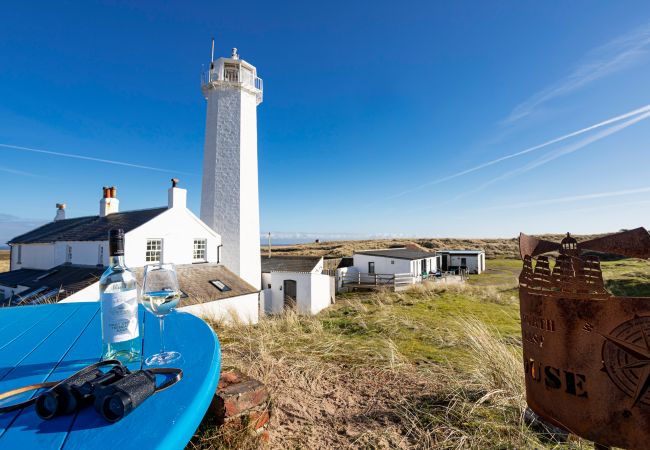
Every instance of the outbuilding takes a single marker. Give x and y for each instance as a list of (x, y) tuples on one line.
[(295, 283)]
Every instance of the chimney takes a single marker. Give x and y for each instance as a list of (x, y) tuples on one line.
[(60, 211), (109, 203), (176, 197)]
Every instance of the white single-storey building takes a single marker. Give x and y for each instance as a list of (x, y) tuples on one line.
[(471, 260), (63, 260), (295, 282), (392, 261)]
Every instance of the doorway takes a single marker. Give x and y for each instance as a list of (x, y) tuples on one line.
[(290, 289)]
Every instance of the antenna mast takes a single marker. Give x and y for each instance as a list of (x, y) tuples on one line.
[(212, 58), (269, 244)]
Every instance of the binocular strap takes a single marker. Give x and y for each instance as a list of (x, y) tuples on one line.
[(178, 375)]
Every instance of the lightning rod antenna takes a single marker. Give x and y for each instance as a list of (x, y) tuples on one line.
[(212, 58)]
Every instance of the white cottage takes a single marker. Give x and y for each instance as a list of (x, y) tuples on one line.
[(66, 257), (295, 282), (392, 261)]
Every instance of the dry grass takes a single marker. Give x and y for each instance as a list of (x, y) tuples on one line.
[(429, 368), (4, 260)]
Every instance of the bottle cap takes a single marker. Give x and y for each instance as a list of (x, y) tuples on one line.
[(116, 242)]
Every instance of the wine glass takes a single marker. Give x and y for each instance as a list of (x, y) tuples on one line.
[(160, 295)]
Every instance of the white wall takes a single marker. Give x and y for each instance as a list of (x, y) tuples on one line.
[(177, 227), (320, 292), (34, 256), (473, 264), (312, 292), (266, 301), (266, 280), (383, 265), (391, 266), (244, 308), (85, 253)]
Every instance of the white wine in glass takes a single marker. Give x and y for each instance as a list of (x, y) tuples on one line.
[(160, 296)]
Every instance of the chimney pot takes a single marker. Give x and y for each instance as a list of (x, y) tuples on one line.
[(60, 211), (176, 197), (109, 204)]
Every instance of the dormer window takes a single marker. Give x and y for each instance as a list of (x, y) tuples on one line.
[(199, 250), (154, 249)]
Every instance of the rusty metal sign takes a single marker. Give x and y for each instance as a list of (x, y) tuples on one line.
[(586, 352)]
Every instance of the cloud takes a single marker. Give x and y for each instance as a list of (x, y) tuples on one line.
[(584, 130), (612, 57), (90, 158)]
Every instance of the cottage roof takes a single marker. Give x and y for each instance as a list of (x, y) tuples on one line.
[(289, 263), (461, 252), (397, 253), (59, 282), (88, 228), (206, 282)]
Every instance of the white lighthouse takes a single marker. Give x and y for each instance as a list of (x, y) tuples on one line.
[(229, 197)]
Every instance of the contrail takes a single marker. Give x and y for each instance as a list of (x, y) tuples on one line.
[(90, 158), (526, 151), (572, 198), (545, 159), (17, 172), (611, 205), (616, 55), (559, 153)]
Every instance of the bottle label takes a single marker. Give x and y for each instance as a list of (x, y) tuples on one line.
[(120, 316)]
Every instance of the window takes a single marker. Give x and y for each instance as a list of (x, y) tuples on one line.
[(392, 261), (371, 267), (20, 255), (220, 285), (463, 262), (199, 249), (231, 72), (68, 253), (100, 255), (154, 249)]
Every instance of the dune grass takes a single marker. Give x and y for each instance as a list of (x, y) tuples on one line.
[(4, 260), (433, 367)]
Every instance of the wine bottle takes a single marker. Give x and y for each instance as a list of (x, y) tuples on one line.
[(119, 305)]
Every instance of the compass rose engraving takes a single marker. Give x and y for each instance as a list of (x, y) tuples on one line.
[(626, 358)]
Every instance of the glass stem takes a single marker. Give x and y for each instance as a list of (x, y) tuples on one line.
[(162, 334)]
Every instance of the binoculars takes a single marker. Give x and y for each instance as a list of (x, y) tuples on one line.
[(114, 393)]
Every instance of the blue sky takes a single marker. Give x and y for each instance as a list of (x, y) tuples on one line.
[(371, 115)]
